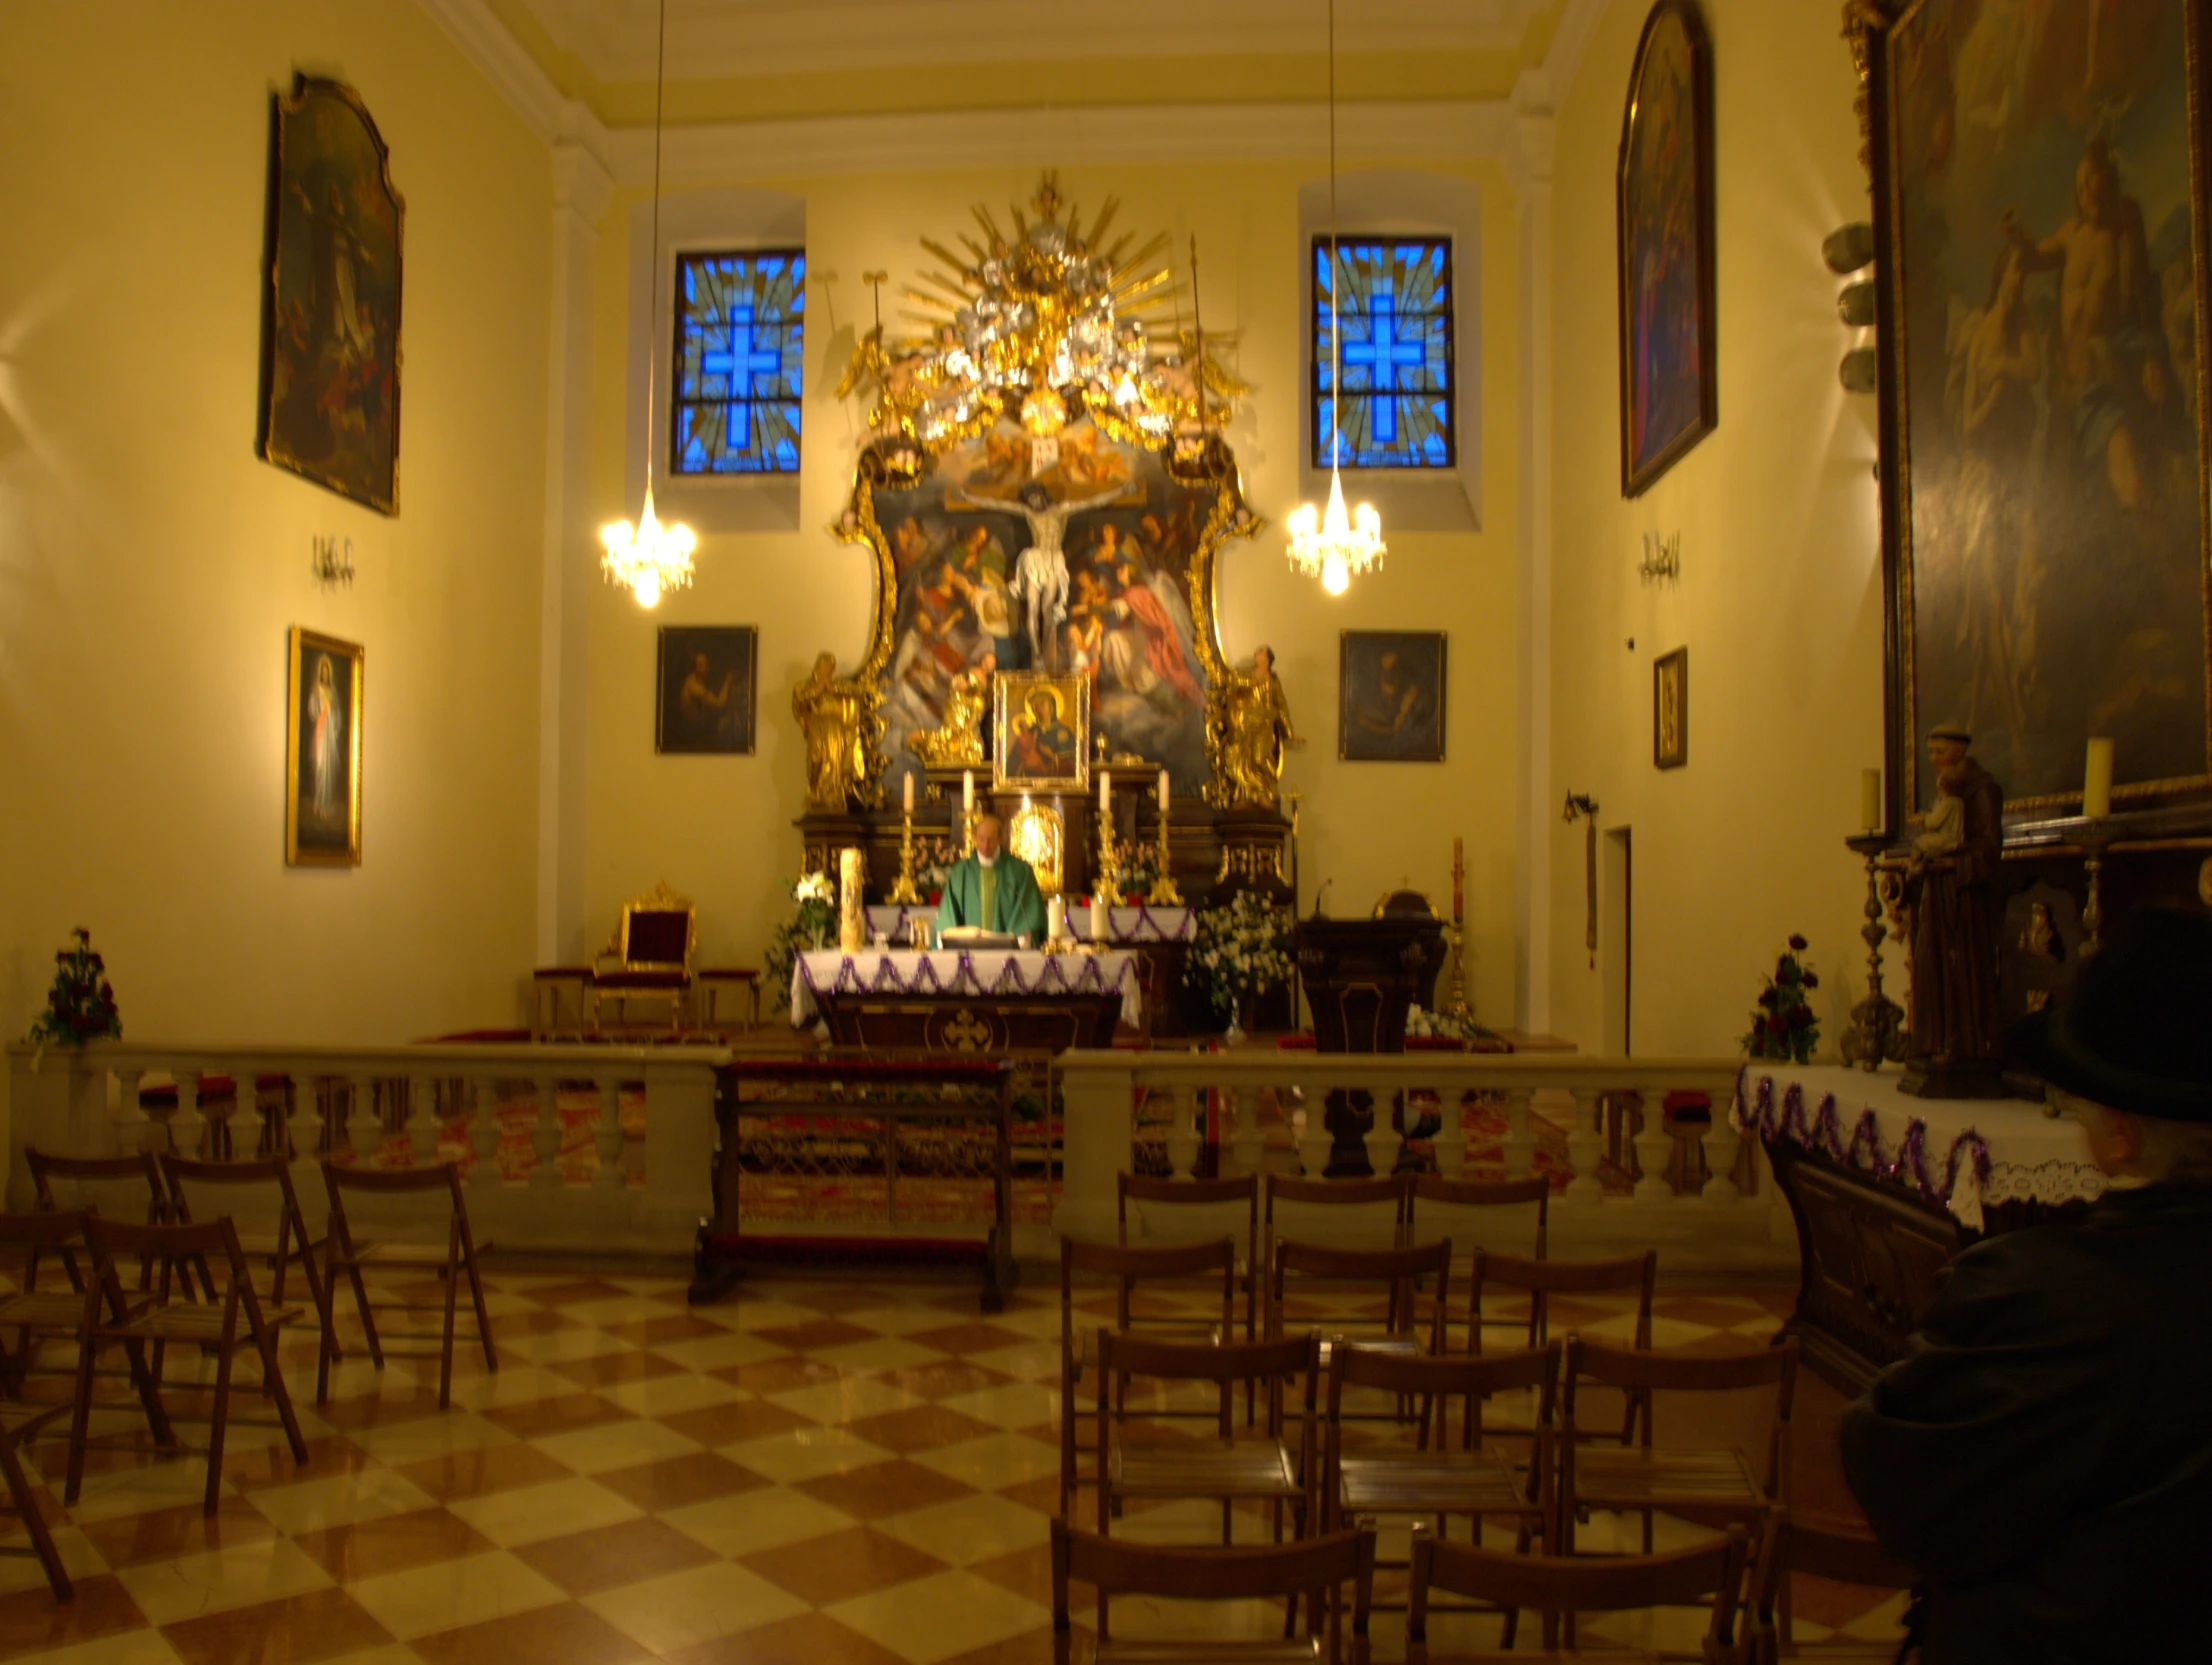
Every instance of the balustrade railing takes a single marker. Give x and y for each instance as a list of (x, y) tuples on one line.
[(566, 1147), (1679, 1182)]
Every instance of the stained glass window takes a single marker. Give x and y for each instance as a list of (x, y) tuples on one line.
[(740, 324), (1394, 309)]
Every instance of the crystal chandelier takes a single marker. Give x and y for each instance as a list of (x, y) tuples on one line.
[(1331, 545), (648, 559)]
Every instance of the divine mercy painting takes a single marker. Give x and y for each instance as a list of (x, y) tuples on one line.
[(331, 355), (2042, 187), (322, 772), (1669, 394), (1072, 560)]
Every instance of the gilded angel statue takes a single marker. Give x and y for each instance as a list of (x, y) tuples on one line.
[(834, 712), (1248, 728)]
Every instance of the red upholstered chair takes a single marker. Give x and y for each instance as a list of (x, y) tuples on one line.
[(649, 958)]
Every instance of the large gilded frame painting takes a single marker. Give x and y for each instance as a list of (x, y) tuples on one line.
[(331, 344), (1046, 491), (2040, 192)]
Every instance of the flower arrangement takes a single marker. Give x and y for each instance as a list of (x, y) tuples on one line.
[(1139, 868), (80, 1007), (1783, 1026), (1240, 949), (812, 925), (1443, 1025)]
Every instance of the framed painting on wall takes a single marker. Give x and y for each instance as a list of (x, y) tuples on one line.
[(1390, 696), (2040, 219), (708, 687), (1670, 397), (1041, 731), (322, 760), (1670, 709), (330, 353)]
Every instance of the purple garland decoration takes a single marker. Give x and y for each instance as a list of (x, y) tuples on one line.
[(964, 978), (1910, 1166)]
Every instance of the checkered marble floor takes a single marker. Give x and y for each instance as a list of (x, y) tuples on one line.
[(836, 1471)]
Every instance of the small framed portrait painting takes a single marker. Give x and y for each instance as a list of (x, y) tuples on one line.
[(1040, 731), (1670, 709), (322, 770), (707, 682), (1390, 696)]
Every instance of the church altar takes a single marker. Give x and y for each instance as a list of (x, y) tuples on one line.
[(1886, 1189), (1129, 924), (960, 1000)]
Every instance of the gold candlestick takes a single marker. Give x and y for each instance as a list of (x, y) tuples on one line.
[(1877, 1032), (2094, 840), (1163, 892), (968, 819), (1108, 883), (905, 893)]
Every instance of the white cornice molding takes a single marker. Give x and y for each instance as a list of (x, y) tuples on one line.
[(1569, 41), (485, 42), (1197, 133)]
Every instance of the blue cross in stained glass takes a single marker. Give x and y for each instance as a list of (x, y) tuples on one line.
[(746, 363), (1381, 354)]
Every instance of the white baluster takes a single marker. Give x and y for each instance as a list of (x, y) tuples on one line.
[(188, 1128), (1720, 1143), (1584, 1148), (1451, 1137), (483, 1108), (1248, 1143), (1316, 1142), (1654, 1146), (1519, 1144), (1182, 1130), (246, 1125), (545, 1136), (303, 1140), (364, 1127), (133, 1129), (423, 1126), (607, 1136), (1383, 1141)]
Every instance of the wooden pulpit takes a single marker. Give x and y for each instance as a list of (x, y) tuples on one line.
[(1361, 976)]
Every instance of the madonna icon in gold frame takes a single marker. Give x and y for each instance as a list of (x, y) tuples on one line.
[(322, 761)]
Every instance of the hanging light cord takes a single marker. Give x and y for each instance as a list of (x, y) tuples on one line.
[(653, 340), (1336, 351)]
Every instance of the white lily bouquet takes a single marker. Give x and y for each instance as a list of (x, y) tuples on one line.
[(1241, 949), (812, 925)]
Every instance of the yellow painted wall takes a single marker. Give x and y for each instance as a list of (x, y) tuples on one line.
[(720, 829), (150, 564), (1780, 598)]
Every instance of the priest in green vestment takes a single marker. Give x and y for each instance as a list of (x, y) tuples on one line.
[(994, 889)]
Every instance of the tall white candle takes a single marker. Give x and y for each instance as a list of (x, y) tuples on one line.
[(1163, 791), (906, 792), (967, 791), (1870, 799), (1105, 791), (2096, 786)]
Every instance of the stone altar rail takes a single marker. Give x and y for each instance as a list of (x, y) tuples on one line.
[(1718, 1229), (554, 1163)]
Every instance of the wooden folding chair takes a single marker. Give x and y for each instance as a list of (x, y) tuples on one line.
[(1711, 1487), (1479, 1482), (458, 1258), (1318, 1568), (80, 1172), (1194, 1265), (213, 1326), (1537, 1281), (291, 1241), (1270, 1470), (1511, 1216), (1709, 1575), (1386, 1281), (1352, 1213), (1821, 1551), (1195, 1211)]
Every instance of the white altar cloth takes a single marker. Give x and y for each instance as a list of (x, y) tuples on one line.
[(1141, 923), (961, 971), (1958, 1153)]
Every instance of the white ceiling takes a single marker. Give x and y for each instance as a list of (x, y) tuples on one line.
[(715, 39)]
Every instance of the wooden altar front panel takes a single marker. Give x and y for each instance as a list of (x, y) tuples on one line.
[(990, 1025)]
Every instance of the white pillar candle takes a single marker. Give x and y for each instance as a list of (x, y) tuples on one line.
[(967, 791), (2096, 786), (851, 920), (1099, 925), (1870, 799), (1056, 919), (1163, 791), (906, 793), (1105, 792)]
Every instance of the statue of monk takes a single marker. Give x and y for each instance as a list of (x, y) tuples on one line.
[(833, 712), (1957, 1038)]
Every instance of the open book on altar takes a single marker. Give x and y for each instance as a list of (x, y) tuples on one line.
[(975, 936)]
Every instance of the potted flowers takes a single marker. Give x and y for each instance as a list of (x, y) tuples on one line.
[(1783, 1025), (1238, 950), (80, 1007), (812, 925)]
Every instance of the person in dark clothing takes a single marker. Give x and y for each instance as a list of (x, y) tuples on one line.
[(2043, 1452)]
